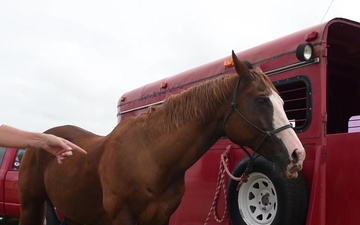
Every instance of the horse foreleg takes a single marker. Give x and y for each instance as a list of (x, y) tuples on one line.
[(125, 218), (32, 212), (68, 221), (119, 216)]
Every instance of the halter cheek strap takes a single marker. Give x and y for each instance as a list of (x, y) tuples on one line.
[(233, 104)]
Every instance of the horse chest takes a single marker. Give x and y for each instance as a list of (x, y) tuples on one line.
[(161, 205)]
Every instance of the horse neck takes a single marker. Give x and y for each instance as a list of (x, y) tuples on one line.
[(170, 146), (185, 144)]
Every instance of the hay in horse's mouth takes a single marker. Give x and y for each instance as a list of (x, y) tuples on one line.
[(295, 168), (292, 175), (292, 172)]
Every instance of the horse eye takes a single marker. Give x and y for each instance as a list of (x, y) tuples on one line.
[(263, 100)]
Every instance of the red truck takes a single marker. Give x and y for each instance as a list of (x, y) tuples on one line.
[(10, 159), (9, 201), (317, 73)]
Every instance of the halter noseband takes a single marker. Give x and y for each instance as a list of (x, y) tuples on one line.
[(267, 133)]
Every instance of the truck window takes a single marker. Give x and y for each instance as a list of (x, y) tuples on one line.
[(17, 160), (296, 93), (2, 153)]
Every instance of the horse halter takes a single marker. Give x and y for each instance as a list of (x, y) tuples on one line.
[(267, 133)]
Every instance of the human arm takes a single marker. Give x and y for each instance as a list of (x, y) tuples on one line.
[(16, 138)]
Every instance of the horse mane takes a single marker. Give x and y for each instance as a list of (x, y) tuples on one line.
[(196, 102), (199, 100)]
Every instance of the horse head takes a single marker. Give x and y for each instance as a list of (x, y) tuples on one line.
[(257, 107)]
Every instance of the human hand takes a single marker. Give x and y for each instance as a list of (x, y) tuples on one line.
[(59, 147)]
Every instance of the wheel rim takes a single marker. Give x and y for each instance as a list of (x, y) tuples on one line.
[(257, 200)]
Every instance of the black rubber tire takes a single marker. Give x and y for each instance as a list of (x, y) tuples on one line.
[(51, 215), (290, 198)]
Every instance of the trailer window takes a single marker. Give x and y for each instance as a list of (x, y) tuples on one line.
[(343, 94), (296, 93), (343, 79)]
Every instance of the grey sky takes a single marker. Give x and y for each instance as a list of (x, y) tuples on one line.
[(68, 62)]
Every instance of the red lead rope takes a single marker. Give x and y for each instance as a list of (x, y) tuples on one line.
[(221, 184)]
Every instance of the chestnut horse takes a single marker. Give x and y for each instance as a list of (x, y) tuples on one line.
[(135, 175)]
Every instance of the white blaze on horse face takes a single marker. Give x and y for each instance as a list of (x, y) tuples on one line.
[(288, 136)]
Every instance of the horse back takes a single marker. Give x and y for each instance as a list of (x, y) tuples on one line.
[(72, 133)]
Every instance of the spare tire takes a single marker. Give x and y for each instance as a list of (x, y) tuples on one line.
[(266, 198)]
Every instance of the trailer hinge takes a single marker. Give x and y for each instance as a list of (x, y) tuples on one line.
[(323, 155), (324, 117)]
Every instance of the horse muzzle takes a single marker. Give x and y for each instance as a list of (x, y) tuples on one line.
[(296, 164)]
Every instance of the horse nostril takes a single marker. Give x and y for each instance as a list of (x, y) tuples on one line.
[(295, 157)]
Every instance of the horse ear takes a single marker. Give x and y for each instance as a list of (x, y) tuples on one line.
[(241, 68)]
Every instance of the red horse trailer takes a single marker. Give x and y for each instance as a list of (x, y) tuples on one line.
[(316, 72)]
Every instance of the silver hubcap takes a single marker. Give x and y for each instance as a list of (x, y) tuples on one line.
[(257, 200)]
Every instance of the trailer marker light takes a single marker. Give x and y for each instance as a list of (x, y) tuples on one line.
[(311, 36), (228, 63), (164, 85)]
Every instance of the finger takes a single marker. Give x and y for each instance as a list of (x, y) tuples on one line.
[(74, 147), (66, 153), (60, 159), (64, 144)]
